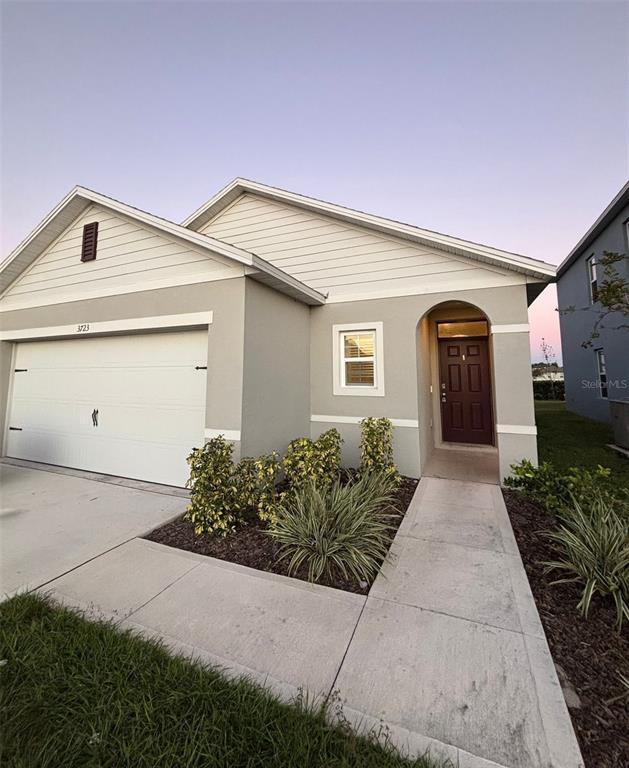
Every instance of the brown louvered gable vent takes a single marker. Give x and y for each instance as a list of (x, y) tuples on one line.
[(90, 238)]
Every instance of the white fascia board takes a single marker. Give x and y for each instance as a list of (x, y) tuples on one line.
[(281, 279), (11, 268), (217, 246), (539, 269), (47, 221), (231, 189), (269, 273)]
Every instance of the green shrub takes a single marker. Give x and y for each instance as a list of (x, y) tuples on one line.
[(256, 481), (594, 551), (220, 491), (549, 390), (559, 490), (313, 461), (376, 447), (213, 504), (328, 445), (341, 530)]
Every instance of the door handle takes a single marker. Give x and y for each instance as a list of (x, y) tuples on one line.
[(95, 417)]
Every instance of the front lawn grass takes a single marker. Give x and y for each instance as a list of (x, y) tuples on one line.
[(81, 693), (568, 440)]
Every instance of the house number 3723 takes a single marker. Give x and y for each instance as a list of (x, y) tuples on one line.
[(82, 327)]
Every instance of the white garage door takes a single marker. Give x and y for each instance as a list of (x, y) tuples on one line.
[(132, 406)]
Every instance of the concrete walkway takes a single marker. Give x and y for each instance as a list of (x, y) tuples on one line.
[(447, 650), (478, 466)]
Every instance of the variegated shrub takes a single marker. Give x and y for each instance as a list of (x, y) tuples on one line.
[(313, 461), (221, 491), (376, 447), (214, 493)]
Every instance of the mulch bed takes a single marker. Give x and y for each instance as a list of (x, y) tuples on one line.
[(591, 651), (251, 546)]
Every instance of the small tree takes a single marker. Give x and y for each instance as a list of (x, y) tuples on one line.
[(549, 364)]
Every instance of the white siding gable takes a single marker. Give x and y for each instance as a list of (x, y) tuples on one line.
[(344, 260), (130, 257)]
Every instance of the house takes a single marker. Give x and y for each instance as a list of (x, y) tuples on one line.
[(266, 315), (599, 372), (547, 372)]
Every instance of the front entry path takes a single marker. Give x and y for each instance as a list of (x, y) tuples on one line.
[(447, 651)]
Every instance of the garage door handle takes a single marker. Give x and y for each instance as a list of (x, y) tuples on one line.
[(200, 367), (95, 417)]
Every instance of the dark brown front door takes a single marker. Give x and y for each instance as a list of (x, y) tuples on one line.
[(465, 391)]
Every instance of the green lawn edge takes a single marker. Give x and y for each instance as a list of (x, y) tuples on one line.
[(569, 440), (83, 693)]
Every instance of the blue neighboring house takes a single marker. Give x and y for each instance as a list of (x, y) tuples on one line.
[(600, 373)]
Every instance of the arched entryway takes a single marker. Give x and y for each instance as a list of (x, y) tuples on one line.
[(456, 393)]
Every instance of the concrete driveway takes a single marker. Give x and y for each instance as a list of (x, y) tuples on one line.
[(51, 523)]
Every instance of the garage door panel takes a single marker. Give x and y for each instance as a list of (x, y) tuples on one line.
[(128, 351), (165, 424), (177, 386), (149, 395), (50, 416), (154, 462)]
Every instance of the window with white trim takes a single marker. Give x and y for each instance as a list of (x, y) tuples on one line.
[(602, 372), (358, 359), (593, 281)]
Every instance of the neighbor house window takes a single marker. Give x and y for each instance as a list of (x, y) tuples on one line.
[(358, 359), (90, 238), (602, 372), (591, 265)]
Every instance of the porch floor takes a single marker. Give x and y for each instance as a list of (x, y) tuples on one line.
[(468, 465)]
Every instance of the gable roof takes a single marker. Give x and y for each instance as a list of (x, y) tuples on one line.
[(538, 270), (80, 198), (612, 210)]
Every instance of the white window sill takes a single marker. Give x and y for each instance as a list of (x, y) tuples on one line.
[(359, 391)]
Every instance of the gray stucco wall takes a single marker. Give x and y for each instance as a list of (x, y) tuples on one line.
[(580, 365), (226, 299), (270, 362), (276, 382), (400, 316)]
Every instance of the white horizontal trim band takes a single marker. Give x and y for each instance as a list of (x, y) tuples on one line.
[(516, 429), (87, 328), (515, 328), (391, 293), (228, 434), (413, 423)]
